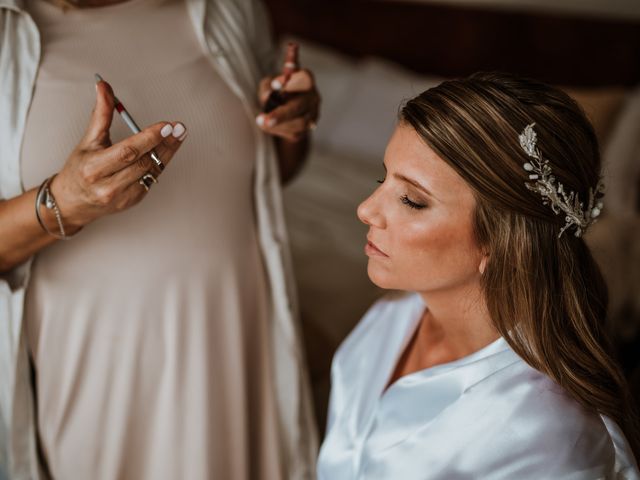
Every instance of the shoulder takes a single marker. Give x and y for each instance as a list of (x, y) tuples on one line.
[(547, 431)]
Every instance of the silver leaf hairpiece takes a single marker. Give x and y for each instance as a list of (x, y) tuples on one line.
[(553, 193)]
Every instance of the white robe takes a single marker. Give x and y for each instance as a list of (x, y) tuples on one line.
[(486, 416)]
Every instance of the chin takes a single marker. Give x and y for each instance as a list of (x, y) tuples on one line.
[(381, 277)]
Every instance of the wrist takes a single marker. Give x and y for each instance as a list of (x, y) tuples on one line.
[(49, 214), (71, 223)]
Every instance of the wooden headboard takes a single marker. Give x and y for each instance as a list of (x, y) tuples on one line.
[(453, 41)]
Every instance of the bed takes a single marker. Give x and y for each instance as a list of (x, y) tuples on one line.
[(370, 55)]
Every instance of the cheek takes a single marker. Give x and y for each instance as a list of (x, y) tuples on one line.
[(429, 252)]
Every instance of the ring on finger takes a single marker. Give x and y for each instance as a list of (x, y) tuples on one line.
[(147, 180)]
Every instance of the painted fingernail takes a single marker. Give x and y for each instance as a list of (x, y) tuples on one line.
[(260, 120), (166, 130), (184, 135), (178, 130), (271, 122), (275, 84)]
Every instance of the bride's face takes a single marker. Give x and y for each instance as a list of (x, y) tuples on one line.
[(420, 221)]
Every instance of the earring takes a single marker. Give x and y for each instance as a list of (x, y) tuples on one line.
[(483, 265)]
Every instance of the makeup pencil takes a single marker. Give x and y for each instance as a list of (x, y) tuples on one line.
[(131, 124)]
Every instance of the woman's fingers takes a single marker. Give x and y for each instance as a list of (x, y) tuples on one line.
[(299, 81), (294, 118), (299, 106), (172, 142), (97, 133), (116, 157), (300, 111), (131, 174)]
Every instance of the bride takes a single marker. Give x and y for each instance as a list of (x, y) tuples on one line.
[(493, 363)]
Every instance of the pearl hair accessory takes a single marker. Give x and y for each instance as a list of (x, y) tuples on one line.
[(553, 193)]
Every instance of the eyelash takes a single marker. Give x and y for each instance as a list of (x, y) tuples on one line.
[(405, 200)]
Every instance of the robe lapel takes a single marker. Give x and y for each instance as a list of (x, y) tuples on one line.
[(366, 372), (415, 400)]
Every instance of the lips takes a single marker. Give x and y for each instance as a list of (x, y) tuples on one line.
[(371, 249)]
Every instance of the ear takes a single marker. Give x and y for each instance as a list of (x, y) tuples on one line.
[(483, 263)]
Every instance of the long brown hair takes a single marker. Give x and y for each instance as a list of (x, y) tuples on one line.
[(546, 295)]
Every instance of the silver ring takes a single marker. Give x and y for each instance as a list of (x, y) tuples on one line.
[(147, 180)]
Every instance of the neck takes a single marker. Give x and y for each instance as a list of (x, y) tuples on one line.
[(457, 322)]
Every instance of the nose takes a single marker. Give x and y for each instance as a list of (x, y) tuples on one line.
[(369, 212)]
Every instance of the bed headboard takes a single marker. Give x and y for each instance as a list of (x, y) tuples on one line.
[(452, 40)]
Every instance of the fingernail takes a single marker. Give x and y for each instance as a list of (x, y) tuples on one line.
[(275, 84), (166, 130), (260, 120), (271, 122), (178, 130), (184, 135)]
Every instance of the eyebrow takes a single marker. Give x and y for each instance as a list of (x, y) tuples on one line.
[(410, 181)]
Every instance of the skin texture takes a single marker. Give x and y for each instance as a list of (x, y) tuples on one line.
[(429, 247)]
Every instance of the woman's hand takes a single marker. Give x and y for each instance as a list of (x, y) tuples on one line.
[(299, 114), (100, 178)]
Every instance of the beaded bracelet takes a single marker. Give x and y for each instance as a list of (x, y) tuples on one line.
[(46, 198)]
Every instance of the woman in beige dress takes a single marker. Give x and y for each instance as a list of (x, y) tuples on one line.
[(150, 331)]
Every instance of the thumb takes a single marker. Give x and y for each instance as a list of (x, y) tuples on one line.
[(97, 133)]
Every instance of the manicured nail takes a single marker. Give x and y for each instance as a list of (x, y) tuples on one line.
[(184, 135), (271, 122), (178, 130), (275, 84), (166, 130), (260, 120)]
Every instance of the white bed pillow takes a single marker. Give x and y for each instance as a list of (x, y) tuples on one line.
[(360, 98), (370, 114)]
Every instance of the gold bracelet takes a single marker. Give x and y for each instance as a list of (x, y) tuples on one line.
[(46, 198)]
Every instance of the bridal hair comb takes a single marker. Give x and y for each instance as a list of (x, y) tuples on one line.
[(552, 192)]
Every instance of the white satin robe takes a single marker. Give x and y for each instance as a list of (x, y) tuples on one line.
[(486, 416)]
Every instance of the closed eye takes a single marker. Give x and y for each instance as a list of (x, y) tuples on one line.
[(405, 200)]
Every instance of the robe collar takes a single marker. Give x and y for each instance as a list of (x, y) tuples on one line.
[(386, 418)]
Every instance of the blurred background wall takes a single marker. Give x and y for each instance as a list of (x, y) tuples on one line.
[(600, 8), (369, 55)]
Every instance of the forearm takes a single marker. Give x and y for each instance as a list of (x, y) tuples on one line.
[(21, 236), (291, 157)]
